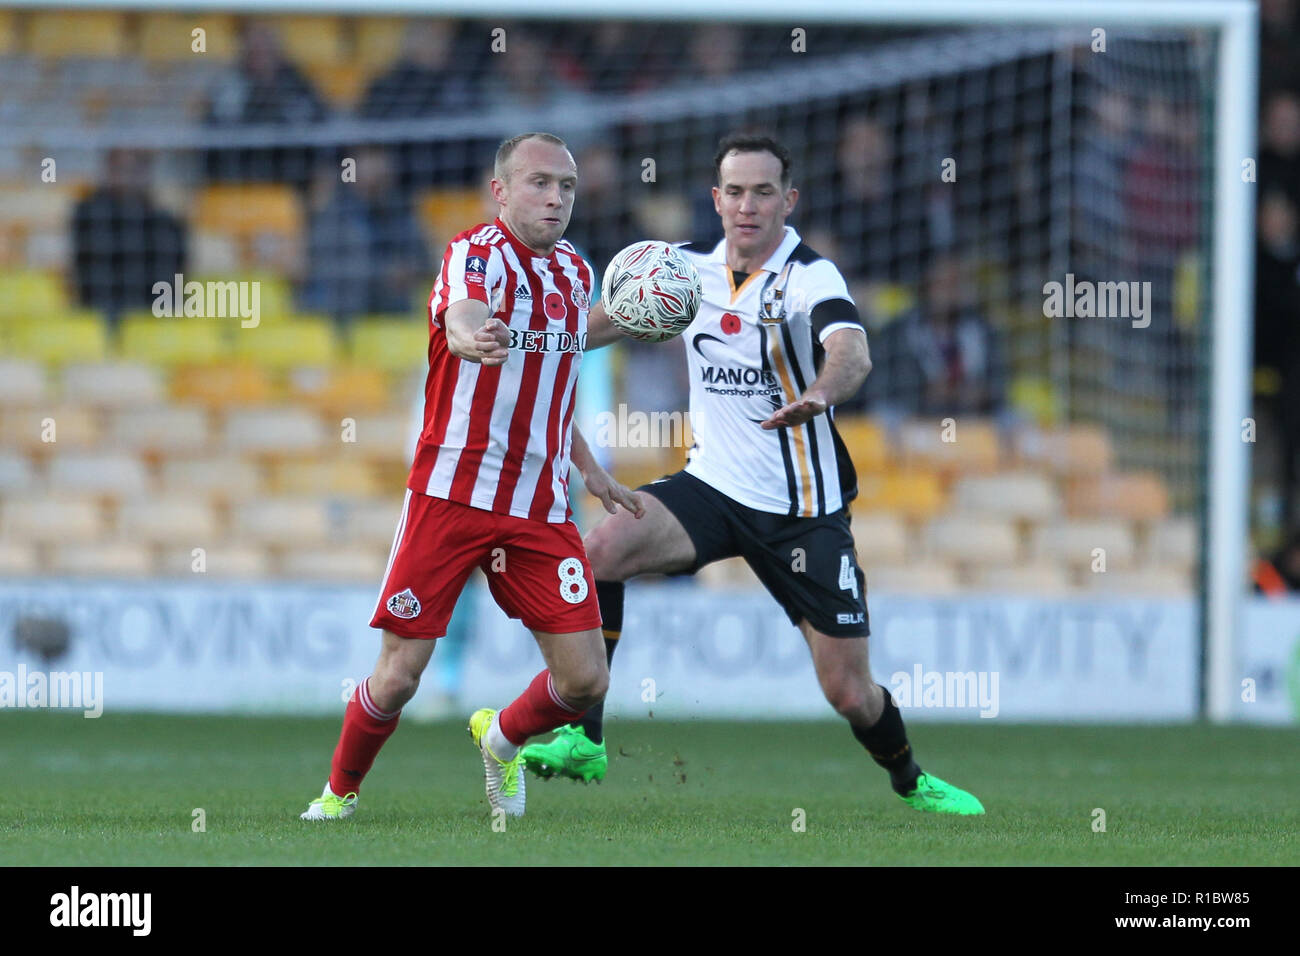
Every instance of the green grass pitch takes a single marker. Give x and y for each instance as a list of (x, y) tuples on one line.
[(121, 790)]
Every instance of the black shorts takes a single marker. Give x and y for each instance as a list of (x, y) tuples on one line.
[(808, 564)]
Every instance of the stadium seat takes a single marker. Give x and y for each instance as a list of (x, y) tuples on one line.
[(31, 293), (1138, 496), (1172, 542), (59, 340), (390, 344), (275, 430), (47, 518), (109, 559), (342, 84), (1145, 581), (106, 473), (175, 518), (18, 559), (383, 435), (349, 564), (973, 539), (302, 342), (17, 473), (1041, 579), (221, 477), (1025, 496), (51, 429), (342, 389), (244, 210), (916, 494), (974, 448), (8, 32), (282, 521), (220, 560), (866, 442), (336, 476), (21, 382), (880, 537), (112, 384), (1080, 450), (169, 37), (175, 341), (223, 384), (57, 35), (378, 40), (313, 39), (447, 212), (929, 578), (166, 429), (1073, 542)]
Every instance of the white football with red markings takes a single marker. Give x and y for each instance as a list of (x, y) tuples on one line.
[(651, 291)]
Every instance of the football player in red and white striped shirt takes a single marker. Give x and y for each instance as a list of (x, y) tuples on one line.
[(489, 484)]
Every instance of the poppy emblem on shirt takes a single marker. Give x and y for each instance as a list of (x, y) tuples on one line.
[(554, 305), (730, 323)]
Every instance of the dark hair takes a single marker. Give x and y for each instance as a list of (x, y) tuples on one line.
[(746, 143)]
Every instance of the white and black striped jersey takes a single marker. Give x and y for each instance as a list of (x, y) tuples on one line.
[(754, 347)]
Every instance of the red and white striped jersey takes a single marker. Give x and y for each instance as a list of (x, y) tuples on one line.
[(497, 437)]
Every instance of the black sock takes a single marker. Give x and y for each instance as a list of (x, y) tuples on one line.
[(610, 596), (886, 742)]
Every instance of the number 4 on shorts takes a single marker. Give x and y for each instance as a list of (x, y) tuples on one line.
[(848, 580)]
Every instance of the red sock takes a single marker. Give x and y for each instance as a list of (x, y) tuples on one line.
[(535, 711), (365, 728)]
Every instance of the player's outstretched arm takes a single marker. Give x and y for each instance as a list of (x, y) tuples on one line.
[(600, 331), (475, 336), (845, 368), (599, 482)]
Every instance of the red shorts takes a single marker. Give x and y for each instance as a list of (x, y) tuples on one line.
[(537, 571)]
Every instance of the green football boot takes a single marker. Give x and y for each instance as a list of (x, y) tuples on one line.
[(570, 754), (936, 796)]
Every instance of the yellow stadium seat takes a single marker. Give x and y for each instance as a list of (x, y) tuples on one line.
[(80, 33), (170, 38), (8, 32), (447, 212), (866, 442), (276, 430), (1076, 543), (973, 539), (59, 340), (220, 477), (18, 559), (343, 389), (112, 384), (1077, 450), (348, 564), (32, 295), (312, 39), (51, 518), (880, 538), (915, 494), (223, 384), (378, 41), (22, 382), (343, 84), (178, 518), (918, 577), (175, 341), (113, 474), (295, 521), (1024, 495), (338, 476), (246, 209), (166, 429), (288, 344), (1042, 578), (391, 345), (372, 521), (109, 559)]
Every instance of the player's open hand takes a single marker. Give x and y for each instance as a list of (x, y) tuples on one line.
[(492, 342), (611, 494), (796, 413)]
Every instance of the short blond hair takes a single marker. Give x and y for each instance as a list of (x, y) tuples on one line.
[(501, 166)]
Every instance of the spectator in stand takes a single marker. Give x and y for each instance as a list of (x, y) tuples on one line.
[(122, 242), (425, 80), (264, 89), (941, 359), (1279, 154), (1279, 33), (1277, 338), (602, 220), (365, 251)]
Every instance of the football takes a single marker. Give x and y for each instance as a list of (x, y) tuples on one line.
[(651, 291)]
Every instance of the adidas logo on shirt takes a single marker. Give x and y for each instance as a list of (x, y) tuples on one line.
[(523, 293)]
